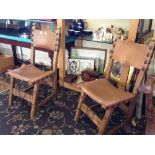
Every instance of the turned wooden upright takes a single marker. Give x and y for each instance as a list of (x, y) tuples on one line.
[(147, 88)]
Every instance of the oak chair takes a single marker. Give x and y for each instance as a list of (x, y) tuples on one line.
[(44, 40), (147, 89), (108, 96)]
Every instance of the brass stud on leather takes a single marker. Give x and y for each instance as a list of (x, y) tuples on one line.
[(148, 54), (150, 47), (145, 62), (111, 51)]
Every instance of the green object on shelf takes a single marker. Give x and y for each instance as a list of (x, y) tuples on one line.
[(68, 40)]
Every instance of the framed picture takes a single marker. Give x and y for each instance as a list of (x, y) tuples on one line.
[(116, 69), (86, 64), (73, 66), (99, 56)]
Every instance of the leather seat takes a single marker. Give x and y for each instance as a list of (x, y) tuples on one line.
[(105, 93), (29, 73)]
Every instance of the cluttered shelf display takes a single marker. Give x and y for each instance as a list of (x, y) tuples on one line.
[(86, 64), (22, 27), (105, 33), (19, 28)]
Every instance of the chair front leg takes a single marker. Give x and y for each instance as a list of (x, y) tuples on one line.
[(12, 86), (34, 100), (105, 120), (54, 77), (78, 110)]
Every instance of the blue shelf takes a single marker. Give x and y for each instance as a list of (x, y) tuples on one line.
[(15, 38), (86, 38)]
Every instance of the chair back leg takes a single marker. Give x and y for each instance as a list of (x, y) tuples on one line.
[(12, 86), (150, 115), (55, 84)]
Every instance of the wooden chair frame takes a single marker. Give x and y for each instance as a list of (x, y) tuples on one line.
[(36, 84), (128, 106)]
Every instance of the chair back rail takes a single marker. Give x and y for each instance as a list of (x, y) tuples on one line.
[(130, 54), (45, 40)]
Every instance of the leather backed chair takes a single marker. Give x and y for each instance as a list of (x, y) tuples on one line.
[(147, 89), (108, 96), (43, 40)]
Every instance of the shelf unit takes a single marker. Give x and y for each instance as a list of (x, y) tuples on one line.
[(103, 57), (131, 36)]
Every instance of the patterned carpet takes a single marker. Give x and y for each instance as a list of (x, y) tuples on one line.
[(55, 118)]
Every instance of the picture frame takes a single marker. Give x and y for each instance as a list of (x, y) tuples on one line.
[(98, 54), (144, 33), (76, 66), (73, 66), (86, 64)]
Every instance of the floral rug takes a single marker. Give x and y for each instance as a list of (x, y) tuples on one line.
[(3, 86), (54, 118)]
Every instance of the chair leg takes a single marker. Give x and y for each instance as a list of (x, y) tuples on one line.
[(12, 85), (78, 110), (55, 84), (105, 120), (34, 102)]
